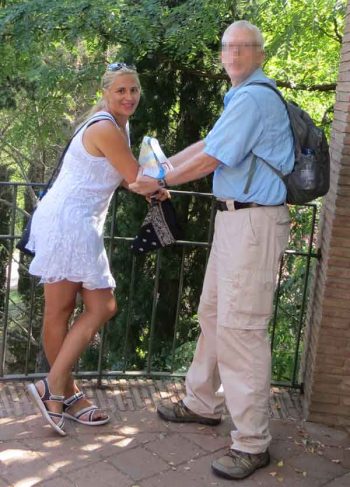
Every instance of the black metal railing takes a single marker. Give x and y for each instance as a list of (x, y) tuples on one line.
[(155, 331)]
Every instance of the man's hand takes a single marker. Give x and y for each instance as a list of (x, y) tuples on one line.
[(144, 185)]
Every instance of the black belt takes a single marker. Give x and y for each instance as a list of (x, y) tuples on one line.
[(222, 206)]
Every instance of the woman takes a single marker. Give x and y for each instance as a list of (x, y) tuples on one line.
[(67, 238)]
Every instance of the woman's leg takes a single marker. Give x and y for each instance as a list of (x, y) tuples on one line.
[(60, 300), (99, 307)]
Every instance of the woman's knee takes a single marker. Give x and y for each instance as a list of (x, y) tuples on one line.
[(111, 309), (104, 311), (58, 311)]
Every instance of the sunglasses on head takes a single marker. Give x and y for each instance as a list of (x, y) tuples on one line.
[(118, 66)]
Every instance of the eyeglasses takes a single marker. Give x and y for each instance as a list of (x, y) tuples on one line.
[(118, 66)]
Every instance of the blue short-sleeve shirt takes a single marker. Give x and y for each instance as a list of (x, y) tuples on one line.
[(254, 121)]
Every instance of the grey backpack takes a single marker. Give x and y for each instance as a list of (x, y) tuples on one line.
[(309, 178)]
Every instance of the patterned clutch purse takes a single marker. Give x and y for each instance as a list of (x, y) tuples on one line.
[(159, 228)]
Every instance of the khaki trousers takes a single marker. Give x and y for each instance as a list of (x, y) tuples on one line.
[(234, 311)]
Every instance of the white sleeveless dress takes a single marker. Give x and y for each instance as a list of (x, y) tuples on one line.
[(67, 226)]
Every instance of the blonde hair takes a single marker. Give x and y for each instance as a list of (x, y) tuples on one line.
[(106, 81), (244, 24)]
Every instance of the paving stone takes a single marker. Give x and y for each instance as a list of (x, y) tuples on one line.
[(326, 435), (223, 429), (111, 444), (99, 474), (186, 478), (138, 463), (4, 483), (317, 466), (62, 454), (137, 448), (284, 449), (343, 481), (140, 421), (25, 427), (73, 427), (199, 472), (22, 466), (282, 428), (209, 442), (336, 455), (175, 449), (13, 427), (56, 482)]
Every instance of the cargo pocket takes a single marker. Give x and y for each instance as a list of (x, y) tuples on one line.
[(246, 300)]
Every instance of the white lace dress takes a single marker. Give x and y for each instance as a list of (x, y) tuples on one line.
[(67, 226)]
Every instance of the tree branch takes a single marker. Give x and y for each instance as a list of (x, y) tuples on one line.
[(222, 76), (336, 30)]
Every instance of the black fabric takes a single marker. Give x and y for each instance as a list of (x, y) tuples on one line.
[(222, 206), (21, 244), (159, 228)]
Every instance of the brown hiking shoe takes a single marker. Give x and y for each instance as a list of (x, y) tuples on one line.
[(238, 464), (179, 413)]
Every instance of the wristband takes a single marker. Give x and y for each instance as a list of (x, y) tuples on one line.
[(162, 183)]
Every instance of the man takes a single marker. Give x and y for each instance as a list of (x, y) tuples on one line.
[(251, 234)]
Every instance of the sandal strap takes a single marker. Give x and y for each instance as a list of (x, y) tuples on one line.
[(60, 424), (69, 401), (47, 394), (89, 409)]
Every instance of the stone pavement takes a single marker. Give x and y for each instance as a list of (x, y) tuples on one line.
[(137, 449)]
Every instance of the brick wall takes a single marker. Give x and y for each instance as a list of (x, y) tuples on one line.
[(326, 361)]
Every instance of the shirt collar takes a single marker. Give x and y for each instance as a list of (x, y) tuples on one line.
[(257, 75)]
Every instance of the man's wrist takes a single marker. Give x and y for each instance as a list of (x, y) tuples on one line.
[(162, 183)]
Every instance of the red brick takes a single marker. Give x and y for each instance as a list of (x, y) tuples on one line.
[(326, 398)]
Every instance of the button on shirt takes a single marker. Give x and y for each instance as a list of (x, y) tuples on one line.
[(254, 120)]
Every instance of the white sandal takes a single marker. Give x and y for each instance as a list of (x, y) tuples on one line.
[(40, 401), (67, 403)]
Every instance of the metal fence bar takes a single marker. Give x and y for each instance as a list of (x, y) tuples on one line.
[(104, 328), (111, 241), (154, 311), (275, 311), (304, 298), (178, 307), (129, 312), (30, 324), (8, 284)]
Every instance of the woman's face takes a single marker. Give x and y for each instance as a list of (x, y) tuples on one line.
[(123, 95)]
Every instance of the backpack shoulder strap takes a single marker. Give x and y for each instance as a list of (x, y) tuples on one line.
[(262, 83), (252, 167), (281, 97)]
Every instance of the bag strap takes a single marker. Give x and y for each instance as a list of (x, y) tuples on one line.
[(281, 97), (57, 169), (252, 167)]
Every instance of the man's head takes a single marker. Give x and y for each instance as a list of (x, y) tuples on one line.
[(242, 50)]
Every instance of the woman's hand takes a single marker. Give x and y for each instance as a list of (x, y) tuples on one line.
[(144, 185), (160, 195)]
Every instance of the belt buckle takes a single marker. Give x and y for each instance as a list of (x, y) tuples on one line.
[(230, 205)]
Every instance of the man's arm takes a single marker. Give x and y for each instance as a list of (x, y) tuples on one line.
[(197, 167), (187, 154)]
